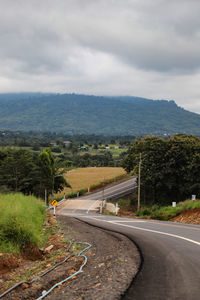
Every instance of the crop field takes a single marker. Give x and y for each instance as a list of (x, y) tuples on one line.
[(82, 178)]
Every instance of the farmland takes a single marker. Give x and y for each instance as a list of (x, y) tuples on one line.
[(82, 178)]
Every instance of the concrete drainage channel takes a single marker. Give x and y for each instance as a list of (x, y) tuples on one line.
[(45, 293)]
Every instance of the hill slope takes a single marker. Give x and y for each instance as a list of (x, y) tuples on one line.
[(71, 113)]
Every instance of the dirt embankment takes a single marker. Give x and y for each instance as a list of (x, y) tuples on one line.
[(191, 216), (113, 261)]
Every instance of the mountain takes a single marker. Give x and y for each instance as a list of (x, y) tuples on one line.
[(76, 114)]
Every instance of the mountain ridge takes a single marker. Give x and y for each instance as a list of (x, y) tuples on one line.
[(88, 114)]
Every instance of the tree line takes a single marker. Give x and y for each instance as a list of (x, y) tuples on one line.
[(30, 173), (44, 139), (170, 168)]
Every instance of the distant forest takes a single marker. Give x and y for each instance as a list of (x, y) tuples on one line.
[(82, 114), (44, 139)]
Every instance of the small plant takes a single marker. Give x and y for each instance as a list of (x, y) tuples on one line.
[(121, 202)]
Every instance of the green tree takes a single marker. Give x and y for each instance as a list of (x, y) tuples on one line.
[(50, 178), (170, 168), (18, 170)]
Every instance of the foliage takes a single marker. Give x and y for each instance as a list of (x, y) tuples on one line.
[(23, 171), (167, 212), (18, 170), (99, 115), (44, 139), (21, 221), (170, 168), (99, 160)]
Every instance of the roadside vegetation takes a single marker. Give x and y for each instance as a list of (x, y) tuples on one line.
[(166, 213), (170, 168), (21, 222), (29, 173)]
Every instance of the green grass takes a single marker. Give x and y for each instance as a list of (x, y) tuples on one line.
[(167, 212), (21, 222)]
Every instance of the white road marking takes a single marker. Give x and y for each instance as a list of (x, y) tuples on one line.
[(136, 221), (149, 230), (92, 206)]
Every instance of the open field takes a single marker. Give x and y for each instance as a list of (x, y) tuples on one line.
[(82, 178)]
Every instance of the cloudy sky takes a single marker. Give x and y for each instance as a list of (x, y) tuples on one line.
[(147, 48)]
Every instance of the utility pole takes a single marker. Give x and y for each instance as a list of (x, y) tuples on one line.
[(139, 182)]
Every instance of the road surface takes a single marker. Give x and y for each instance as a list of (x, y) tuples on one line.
[(92, 201), (170, 267)]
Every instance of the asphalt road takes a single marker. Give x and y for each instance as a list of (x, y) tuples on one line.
[(170, 267), (91, 201)]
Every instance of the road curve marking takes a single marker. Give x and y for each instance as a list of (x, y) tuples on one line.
[(159, 232), (175, 225), (148, 230)]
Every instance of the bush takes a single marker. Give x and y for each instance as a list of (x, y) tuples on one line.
[(121, 202)]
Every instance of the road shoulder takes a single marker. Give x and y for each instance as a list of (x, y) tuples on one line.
[(113, 262)]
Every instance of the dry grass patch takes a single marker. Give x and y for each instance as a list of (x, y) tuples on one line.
[(81, 178)]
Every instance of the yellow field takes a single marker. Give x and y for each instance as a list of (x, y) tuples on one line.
[(83, 177)]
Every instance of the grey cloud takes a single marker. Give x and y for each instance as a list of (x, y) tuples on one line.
[(105, 47), (150, 36)]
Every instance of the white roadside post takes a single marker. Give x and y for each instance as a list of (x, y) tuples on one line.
[(101, 207), (116, 208)]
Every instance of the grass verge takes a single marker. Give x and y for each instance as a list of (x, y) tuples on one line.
[(21, 222), (167, 212)]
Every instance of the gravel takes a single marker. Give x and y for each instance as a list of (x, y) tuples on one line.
[(113, 262)]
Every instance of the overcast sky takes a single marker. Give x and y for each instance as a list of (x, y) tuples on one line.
[(147, 48)]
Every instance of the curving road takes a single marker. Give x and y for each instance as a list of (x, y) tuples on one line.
[(170, 267), (92, 201)]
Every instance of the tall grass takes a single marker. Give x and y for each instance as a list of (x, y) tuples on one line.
[(167, 212), (21, 221)]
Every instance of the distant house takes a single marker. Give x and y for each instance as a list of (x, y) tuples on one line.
[(83, 148), (66, 143)]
